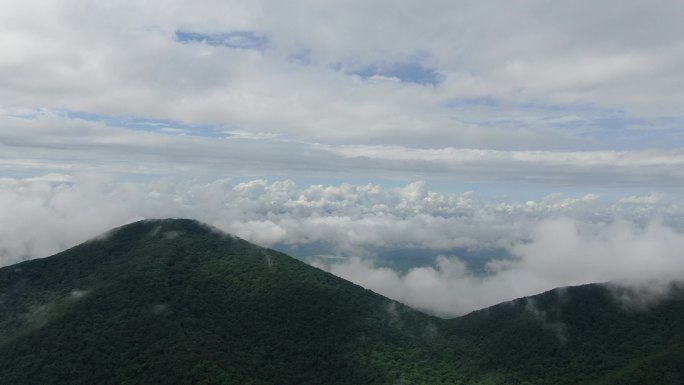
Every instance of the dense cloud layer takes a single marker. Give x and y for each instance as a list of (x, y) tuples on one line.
[(623, 56), (555, 241), (559, 252), (573, 93)]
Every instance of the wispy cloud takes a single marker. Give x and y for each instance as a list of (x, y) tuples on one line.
[(233, 39), (54, 141)]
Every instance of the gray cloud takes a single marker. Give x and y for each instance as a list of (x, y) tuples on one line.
[(125, 60), (52, 142)]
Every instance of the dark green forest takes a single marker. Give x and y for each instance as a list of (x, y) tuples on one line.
[(178, 302)]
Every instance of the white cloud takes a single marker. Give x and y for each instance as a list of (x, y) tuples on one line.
[(557, 240), (123, 59), (447, 289), (651, 199), (60, 210), (559, 252)]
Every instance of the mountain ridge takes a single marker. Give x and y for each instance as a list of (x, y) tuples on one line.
[(177, 301)]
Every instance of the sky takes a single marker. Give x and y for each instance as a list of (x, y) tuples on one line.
[(546, 136)]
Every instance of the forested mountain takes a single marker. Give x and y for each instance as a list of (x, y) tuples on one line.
[(177, 302)]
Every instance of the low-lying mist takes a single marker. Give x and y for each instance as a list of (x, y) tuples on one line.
[(554, 241)]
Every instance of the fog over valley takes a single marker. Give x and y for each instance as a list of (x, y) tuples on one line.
[(461, 252)]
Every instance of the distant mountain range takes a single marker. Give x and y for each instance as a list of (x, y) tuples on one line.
[(177, 302)]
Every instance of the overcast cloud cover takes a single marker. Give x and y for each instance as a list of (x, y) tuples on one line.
[(308, 122)]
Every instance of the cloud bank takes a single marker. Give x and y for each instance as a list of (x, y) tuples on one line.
[(554, 241), (560, 252), (47, 142)]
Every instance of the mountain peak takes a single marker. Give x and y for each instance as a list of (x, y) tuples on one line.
[(221, 307), (150, 228)]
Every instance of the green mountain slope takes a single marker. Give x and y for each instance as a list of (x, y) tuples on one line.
[(175, 302), (575, 335), (164, 302)]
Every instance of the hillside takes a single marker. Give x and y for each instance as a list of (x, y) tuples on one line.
[(176, 302), (576, 335)]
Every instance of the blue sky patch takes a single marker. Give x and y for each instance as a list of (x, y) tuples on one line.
[(409, 72), (233, 39)]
